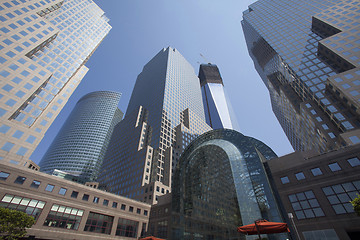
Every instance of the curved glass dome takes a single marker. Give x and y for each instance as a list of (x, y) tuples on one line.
[(220, 184)]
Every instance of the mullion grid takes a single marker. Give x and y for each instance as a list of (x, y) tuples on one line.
[(305, 205)]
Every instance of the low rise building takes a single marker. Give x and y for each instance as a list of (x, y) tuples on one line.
[(317, 189), (67, 210)]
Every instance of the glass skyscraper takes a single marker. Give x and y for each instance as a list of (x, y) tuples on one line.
[(164, 114), (218, 110), (80, 145), (44, 45), (307, 53)]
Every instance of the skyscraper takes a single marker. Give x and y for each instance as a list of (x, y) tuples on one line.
[(44, 45), (165, 113), (80, 145), (307, 53), (218, 111)]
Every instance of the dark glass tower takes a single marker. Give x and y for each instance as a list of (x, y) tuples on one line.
[(79, 147), (165, 113), (307, 53)]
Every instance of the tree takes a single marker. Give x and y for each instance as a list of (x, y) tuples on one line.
[(13, 223), (356, 204)]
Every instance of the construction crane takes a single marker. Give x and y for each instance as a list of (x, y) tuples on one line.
[(205, 59)]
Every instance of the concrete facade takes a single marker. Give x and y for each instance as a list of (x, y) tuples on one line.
[(28, 191), (316, 190)]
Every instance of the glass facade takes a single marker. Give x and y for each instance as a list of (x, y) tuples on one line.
[(44, 46), (308, 57), (79, 147), (218, 110), (220, 184), (164, 114)]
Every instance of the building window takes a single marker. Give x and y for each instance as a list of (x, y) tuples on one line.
[(74, 194), (145, 212), (114, 204), (4, 175), (131, 209), (334, 167), (20, 180), (340, 195), (106, 202), (85, 197), (354, 161), (162, 228), (305, 205), (49, 188), (123, 206), (99, 223), (62, 191), (138, 211), (284, 180), (29, 206), (300, 176), (35, 184), (316, 171), (96, 200), (64, 217), (127, 228)]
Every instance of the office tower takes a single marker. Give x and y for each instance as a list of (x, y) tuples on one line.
[(220, 184), (218, 110), (80, 145), (164, 114), (43, 48), (307, 54)]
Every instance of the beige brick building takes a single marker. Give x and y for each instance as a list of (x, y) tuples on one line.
[(68, 210)]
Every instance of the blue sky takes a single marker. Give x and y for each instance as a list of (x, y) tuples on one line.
[(141, 28)]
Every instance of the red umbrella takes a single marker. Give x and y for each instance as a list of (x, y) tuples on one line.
[(263, 226), (151, 238)]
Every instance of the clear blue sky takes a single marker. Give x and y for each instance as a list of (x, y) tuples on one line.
[(141, 28)]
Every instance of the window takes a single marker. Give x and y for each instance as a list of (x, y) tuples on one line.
[(20, 180), (138, 211), (96, 200), (284, 180), (354, 161), (29, 206), (123, 206), (127, 228), (74, 194), (99, 223), (49, 188), (316, 171), (340, 195), (85, 197), (35, 184), (4, 175), (115, 204), (305, 205), (131, 209), (334, 167), (145, 212), (106, 202), (64, 217), (300, 176), (62, 191)]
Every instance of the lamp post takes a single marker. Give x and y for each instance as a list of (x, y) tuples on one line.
[(291, 216)]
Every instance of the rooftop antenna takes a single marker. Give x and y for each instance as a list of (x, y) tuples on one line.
[(205, 59)]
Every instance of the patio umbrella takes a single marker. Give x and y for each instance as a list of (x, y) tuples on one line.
[(151, 238), (264, 227)]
